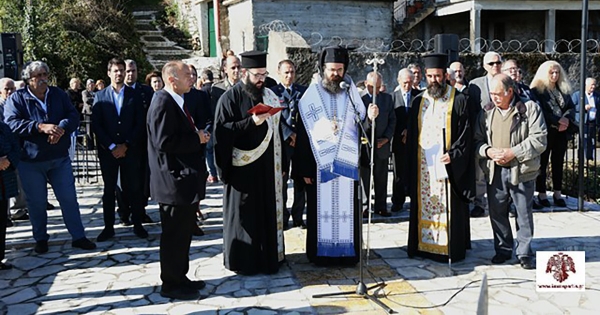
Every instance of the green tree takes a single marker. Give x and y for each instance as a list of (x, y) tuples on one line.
[(75, 37)]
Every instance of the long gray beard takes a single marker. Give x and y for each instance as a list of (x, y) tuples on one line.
[(332, 86), (436, 90)]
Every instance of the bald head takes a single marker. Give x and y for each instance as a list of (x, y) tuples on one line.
[(502, 89), (374, 80), (7, 87), (459, 72), (177, 77)]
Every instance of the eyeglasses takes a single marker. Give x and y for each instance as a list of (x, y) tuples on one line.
[(259, 75), (339, 71), (494, 63), (510, 69)]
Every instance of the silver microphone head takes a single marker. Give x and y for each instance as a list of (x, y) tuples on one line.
[(344, 85)]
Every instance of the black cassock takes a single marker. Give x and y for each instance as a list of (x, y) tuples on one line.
[(461, 180), (250, 241)]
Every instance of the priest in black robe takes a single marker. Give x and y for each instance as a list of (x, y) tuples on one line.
[(326, 158), (439, 148), (249, 157)]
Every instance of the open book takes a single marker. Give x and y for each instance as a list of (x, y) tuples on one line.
[(262, 108)]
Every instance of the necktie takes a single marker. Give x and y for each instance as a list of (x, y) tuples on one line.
[(189, 117), (407, 101)]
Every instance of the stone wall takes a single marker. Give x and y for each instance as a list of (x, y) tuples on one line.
[(306, 62), (241, 28)]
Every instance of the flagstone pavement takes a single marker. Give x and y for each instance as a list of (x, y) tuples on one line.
[(122, 275)]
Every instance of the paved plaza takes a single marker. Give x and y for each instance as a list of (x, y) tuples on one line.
[(122, 275)]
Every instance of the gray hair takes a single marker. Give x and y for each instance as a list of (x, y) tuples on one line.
[(488, 55), (405, 72), (5, 81), (33, 67), (130, 62), (505, 80), (451, 74), (88, 81)]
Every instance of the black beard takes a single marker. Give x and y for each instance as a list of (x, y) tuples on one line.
[(436, 90), (253, 91), (333, 86)]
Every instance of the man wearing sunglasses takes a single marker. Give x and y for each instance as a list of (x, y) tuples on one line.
[(479, 96)]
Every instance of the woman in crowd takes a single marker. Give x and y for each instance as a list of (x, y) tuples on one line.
[(552, 89), (9, 158), (100, 85), (154, 79)]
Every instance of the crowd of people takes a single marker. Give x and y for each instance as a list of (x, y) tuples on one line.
[(458, 148)]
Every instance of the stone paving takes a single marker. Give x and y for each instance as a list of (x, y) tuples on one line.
[(122, 275)]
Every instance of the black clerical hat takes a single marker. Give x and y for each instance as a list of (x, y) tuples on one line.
[(254, 59), (337, 54), (435, 61)]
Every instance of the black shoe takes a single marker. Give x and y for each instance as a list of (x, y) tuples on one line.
[(139, 231), (537, 206), (195, 284), (197, 231), (499, 259), (146, 219), (41, 247), (286, 226), (49, 206), (9, 223), (477, 212), (105, 235), (366, 214), (384, 213), (559, 202), (300, 224), (125, 220), (5, 266), (544, 202), (526, 263), (182, 293), (20, 214), (397, 208), (83, 243)]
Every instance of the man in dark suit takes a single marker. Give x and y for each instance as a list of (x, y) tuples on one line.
[(232, 76), (198, 104), (385, 123), (402, 98), (289, 94), (592, 100), (174, 147), (479, 96), (118, 123), (144, 95)]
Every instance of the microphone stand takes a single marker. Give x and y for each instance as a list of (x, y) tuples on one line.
[(448, 221), (361, 288)]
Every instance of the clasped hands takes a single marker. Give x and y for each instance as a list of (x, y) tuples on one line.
[(203, 135), (54, 132), (563, 124), (500, 156), (4, 163)]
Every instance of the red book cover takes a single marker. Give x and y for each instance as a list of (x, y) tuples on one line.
[(262, 108)]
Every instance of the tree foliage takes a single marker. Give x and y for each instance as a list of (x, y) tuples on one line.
[(75, 37)]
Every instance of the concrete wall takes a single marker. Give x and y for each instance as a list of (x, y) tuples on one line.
[(195, 18), (241, 28), (346, 19), (279, 42)]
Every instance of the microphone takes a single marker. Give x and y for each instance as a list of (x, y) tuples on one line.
[(344, 85)]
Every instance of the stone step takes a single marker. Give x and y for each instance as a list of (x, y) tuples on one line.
[(154, 39), (139, 13), (145, 27), (144, 21), (145, 32), (155, 44), (167, 52)]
